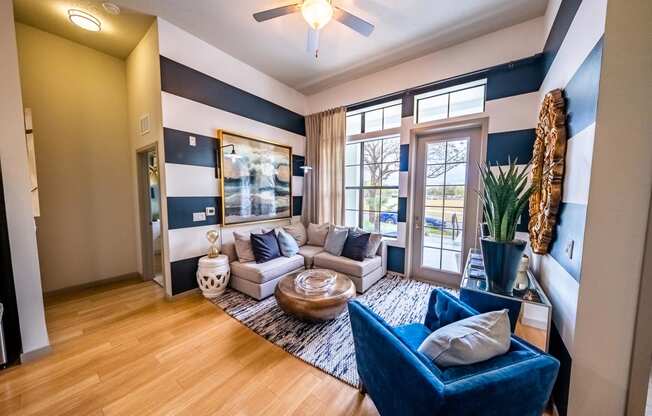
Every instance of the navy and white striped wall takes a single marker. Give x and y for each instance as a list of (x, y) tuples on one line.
[(195, 104), (572, 61), (512, 105)]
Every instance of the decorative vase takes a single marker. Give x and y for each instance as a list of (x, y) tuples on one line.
[(501, 261)]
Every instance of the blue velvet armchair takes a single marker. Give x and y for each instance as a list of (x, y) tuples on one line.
[(402, 381)]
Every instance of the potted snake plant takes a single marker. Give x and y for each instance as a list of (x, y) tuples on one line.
[(504, 196)]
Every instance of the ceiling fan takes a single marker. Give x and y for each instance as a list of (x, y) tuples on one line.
[(317, 14)]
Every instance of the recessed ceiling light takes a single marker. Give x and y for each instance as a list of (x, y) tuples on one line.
[(111, 8), (84, 20)]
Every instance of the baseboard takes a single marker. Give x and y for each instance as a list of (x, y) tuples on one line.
[(95, 283), (34, 355)]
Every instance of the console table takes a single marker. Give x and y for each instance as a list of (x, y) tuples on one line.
[(530, 311)]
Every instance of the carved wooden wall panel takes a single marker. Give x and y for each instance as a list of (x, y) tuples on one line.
[(547, 170)]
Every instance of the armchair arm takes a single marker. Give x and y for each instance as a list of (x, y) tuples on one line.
[(382, 252), (520, 389), (397, 381), (444, 308)]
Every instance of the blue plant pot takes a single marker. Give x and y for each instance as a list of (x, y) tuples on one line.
[(501, 260)]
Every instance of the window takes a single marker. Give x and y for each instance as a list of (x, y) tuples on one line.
[(374, 119), (455, 101), (445, 190), (371, 185)]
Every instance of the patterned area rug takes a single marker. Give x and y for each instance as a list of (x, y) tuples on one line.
[(329, 346)]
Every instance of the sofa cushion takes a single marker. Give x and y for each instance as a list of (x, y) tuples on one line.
[(317, 234), (243, 246), (265, 246), (414, 334), (469, 341), (374, 241), (287, 243), (346, 265), (335, 240), (309, 252), (355, 246), (298, 231), (264, 272)]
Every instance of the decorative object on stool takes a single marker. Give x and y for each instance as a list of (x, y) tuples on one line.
[(547, 170), (213, 275), (212, 236), (504, 196)]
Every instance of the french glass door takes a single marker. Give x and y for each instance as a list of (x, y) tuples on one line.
[(445, 204)]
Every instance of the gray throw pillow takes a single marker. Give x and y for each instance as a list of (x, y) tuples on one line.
[(243, 247), (468, 341), (317, 234), (374, 241), (335, 240), (298, 231)]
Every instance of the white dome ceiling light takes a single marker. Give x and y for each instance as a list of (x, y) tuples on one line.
[(84, 20)]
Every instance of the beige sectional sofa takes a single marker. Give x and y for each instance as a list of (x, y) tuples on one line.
[(259, 280)]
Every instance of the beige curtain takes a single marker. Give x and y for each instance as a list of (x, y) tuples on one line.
[(323, 186)]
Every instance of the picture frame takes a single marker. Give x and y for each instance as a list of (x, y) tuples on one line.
[(255, 179)]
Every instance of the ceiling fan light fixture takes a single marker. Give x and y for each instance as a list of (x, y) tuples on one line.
[(317, 12)]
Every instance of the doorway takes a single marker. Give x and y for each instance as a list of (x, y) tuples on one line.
[(149, 198), (445, 204)]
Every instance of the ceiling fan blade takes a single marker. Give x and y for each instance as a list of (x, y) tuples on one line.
[(277, 12), (313, 42), (361, 26)]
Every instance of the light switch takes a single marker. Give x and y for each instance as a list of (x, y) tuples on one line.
[(210, 211), (569, 249), (192, 141), (198, 216)]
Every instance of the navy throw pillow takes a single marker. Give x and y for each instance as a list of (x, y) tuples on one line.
[(265, 247), (355, 246)]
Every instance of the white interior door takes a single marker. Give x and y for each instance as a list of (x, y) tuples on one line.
[(445, 204)]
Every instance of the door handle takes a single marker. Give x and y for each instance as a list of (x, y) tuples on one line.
[(417, 223)]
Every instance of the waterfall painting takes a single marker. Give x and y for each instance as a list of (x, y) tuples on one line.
[(256, 179)]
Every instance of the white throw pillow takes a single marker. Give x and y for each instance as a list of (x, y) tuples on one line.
[(317, 234), (469, 340)]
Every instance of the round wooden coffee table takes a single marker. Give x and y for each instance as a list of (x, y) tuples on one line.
[(314, 307)]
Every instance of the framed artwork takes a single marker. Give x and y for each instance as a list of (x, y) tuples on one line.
[(256, 179)]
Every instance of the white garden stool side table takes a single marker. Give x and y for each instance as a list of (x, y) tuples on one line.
[(213, 275)]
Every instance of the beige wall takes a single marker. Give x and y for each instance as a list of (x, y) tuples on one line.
[(18, 201), (619, 199), (78, 98), (144, 97)]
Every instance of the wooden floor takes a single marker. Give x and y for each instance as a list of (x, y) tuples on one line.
[(122, 349), (125, 350)]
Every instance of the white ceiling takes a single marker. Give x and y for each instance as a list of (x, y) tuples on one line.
[(405, 29)]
